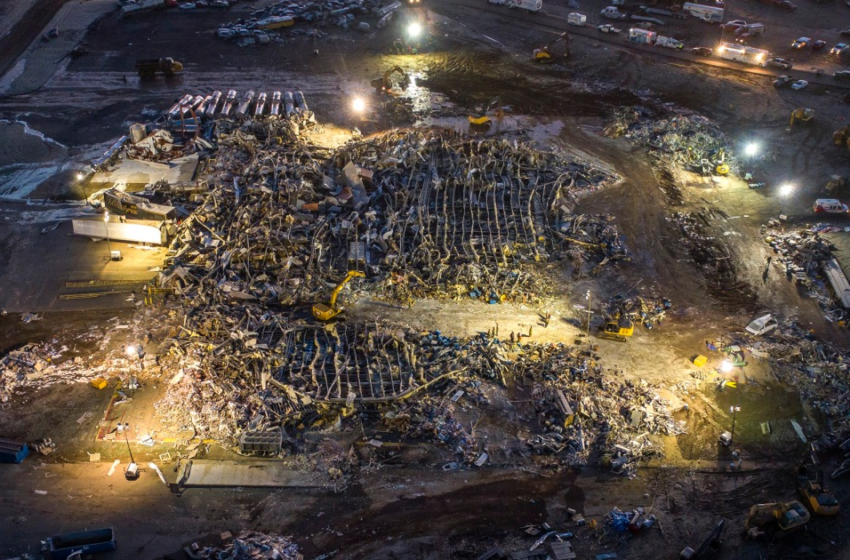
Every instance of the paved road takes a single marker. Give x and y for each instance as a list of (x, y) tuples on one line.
[(558, 23)]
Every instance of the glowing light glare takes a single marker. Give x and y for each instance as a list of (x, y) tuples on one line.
[(726, 366), (786, 190), (106, 216), (760, 56), (131, 351), (721, 49), (80, 176), (358, 104), (751, 149), (414, 29)]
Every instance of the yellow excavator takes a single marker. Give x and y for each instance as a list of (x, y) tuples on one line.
[(384, 84), (819, 499), (619, 328), (800, 114), (545, 55), (842, 136), (483, 120), (327, 312)]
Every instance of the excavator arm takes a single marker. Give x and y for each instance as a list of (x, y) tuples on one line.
[(327, 312)]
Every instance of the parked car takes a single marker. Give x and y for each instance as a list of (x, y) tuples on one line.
[(762, 325), (845, 33), (829, 206), (838, 48), (818, 45), (786, 5), (220, 4), (189, 6), (701, 51), (607, 28), (799, 84), (783, 63), (782, 81), (801, 43), (225, 33), (841, 75)]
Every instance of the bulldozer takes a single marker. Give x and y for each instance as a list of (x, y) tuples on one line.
[(483, 120), (783, 519), (619, 328), (545, 55), (801, 114), (327, 312), (842, 137), (384, 83), (149, 68)]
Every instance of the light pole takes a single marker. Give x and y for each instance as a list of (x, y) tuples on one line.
[(734, 410), (106, 227), (588, 313)]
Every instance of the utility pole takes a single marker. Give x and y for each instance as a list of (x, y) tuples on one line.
[(106, 227)]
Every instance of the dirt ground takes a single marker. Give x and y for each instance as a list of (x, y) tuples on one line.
[(408, 507)]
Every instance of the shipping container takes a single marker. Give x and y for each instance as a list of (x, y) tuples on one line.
[(62, 546), (710, 14)]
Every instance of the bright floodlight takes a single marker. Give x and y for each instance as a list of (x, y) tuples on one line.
[(751, 149), (726, 366), (786, 190), (131, 351), (80, 176), (358, 104), (414, 29)]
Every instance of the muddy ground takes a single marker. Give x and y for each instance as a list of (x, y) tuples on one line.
[(409, 508)]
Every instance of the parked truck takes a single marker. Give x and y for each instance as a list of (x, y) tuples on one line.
[(710, 14), (62, 546), (642, 36), (742, 53), (611, 12), (576, 19), (149, 68), (646, 37), (530, 5)]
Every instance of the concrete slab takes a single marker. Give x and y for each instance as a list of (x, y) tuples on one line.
[(248, 474)]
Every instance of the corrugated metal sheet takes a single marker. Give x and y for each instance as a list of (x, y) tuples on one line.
[(838, 281)]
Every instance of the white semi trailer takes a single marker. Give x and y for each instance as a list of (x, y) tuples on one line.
[(140, 231)]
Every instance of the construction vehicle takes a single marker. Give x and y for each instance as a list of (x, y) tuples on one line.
[(483, 120), (783, 519), (545, 55), (327, 312), (842, 137), (619, 328), (810, 477), (800, 114), (384, 84), (149, 68)]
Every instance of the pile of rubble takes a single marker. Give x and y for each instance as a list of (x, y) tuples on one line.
[(421, 212), (40, 365), (682, 136), (247, 546), (806, 257)]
